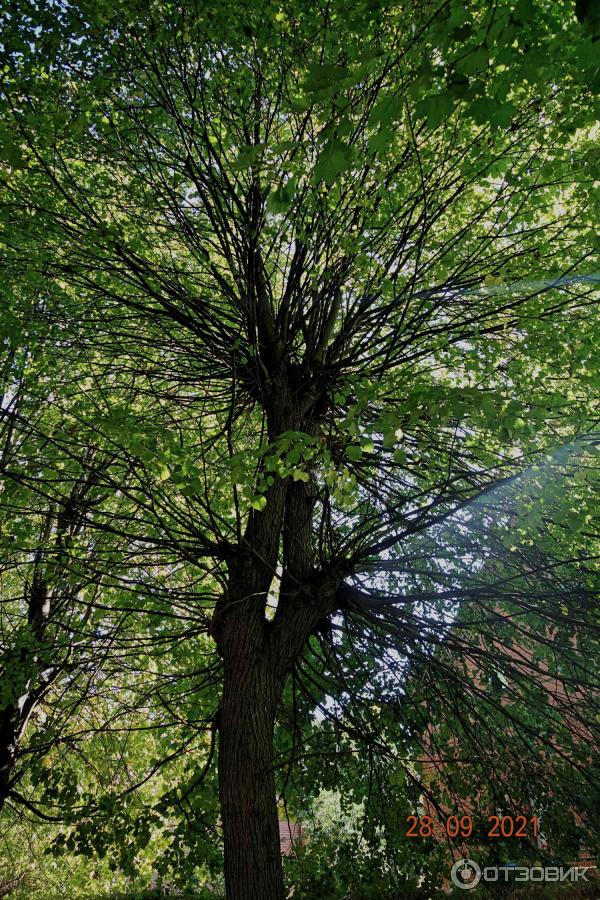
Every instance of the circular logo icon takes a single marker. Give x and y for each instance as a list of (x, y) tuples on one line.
[(465, 874)]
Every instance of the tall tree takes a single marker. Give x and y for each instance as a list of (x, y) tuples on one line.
[(326, 279)]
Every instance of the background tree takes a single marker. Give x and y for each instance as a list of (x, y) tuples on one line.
[(318, 288)]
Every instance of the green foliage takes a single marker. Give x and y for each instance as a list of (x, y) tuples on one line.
[(310, 292)]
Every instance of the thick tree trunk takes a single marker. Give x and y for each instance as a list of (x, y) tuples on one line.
[(253, 869), (257, 656), (8, 742)]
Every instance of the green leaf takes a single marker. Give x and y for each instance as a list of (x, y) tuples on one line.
[(247, 157), (324, 76), (279, 200), (482, 110), (435, 108), (13, 155), (475, 62), (387, 110), (502, 114), (380, 141), (334, 159)]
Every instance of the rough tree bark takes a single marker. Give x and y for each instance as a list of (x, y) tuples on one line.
[(253, 868), (254, 678)]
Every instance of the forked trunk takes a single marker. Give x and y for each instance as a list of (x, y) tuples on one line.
[(253, 869)]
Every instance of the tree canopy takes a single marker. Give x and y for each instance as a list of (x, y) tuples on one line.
[(299, 424)]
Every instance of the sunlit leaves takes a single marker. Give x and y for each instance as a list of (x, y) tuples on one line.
[(256, 254)]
